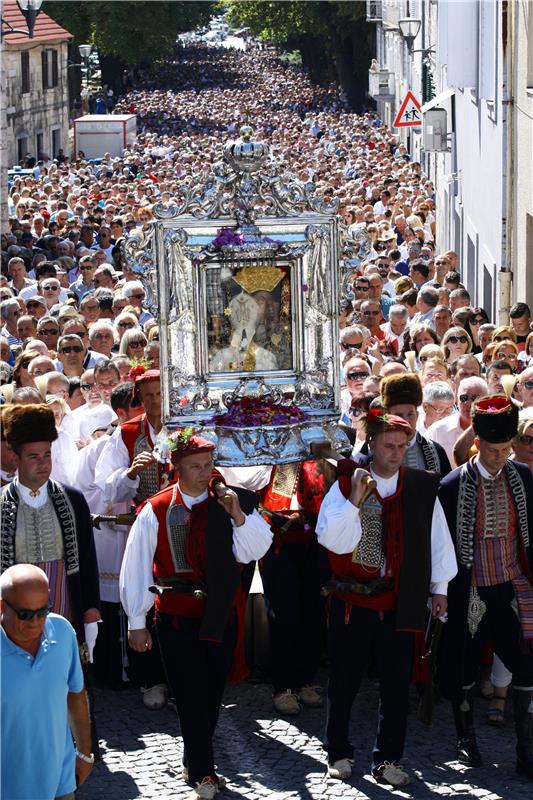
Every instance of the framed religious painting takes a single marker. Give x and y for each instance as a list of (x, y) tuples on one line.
[(243, 279)]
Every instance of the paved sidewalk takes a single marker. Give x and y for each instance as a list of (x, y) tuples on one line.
[(265, 757)]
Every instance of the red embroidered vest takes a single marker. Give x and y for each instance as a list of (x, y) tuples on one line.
[(342, 566), (304, 482), (136, 436), (185, 558)]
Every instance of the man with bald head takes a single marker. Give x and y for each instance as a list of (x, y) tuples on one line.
[(44, 705)]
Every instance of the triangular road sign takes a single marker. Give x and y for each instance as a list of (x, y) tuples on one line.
[(409, 114)]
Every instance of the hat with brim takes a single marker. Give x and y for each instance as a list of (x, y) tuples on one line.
[(495, 419)]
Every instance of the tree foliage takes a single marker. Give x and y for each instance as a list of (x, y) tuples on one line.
[(333, 37), (138, 32)]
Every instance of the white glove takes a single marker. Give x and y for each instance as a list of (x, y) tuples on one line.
[(91, 632)]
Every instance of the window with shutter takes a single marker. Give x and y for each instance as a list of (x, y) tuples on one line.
[(44, 68), (54, 67), (25, 70)]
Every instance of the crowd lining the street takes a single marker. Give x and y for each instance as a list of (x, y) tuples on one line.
[(74, 323)]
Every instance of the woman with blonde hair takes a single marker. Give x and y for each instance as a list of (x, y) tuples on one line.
[(455, 342), (502, 333), (133, 343)]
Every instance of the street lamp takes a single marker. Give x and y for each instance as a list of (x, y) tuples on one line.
[(85, 51), (29, 10), (409, 28)]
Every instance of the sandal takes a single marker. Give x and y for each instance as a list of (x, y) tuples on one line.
[(496, 712)]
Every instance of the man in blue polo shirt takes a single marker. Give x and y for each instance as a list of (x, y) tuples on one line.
[(44, 705)]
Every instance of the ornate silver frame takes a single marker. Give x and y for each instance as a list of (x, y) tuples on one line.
[(282, 224)]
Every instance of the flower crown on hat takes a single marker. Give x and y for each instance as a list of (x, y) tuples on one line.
[(179, 440), (138, 367)]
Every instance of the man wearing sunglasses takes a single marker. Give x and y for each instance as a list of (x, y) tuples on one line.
[(488, 503), (525, 387), (185, 551), (71, 354), (458, 426), (44, 704)]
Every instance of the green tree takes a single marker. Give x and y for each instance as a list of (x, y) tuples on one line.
[(333, 38), (128, 34)]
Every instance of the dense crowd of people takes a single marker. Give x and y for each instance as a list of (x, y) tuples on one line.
[(430, 383)]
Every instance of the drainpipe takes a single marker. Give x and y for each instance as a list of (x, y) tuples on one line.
[(505, 275)]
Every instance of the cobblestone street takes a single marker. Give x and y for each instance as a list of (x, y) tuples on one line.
[(264, 757)]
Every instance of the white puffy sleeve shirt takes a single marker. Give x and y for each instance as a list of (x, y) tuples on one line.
[(251, 540), (339, 530)]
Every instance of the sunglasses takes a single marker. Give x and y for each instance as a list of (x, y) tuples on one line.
[(356, 412), (136, 344), (525, 440), (371, 313), (75, 348), (361, 288), (86, 386), (86, 269), (456, 339), (49, 332), (32, 305), (357, 376), (464, 398), (51, 288), (527, 384), (25, 614), (125, 325), (347, 346), (507, 356), (500, 338), (474, 321), (137, 296)]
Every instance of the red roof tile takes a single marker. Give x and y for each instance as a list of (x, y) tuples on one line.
[(46, 30)]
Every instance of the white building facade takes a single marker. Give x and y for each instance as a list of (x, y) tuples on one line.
[(481, 66), (35, 90)]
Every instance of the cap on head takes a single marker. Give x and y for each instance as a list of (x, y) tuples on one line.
[(378, 421), (30, 423), (495, 419), (401, 389), (139, 374), (185, 442)]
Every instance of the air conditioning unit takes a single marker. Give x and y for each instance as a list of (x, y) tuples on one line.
[(381, 85), (374, 11)]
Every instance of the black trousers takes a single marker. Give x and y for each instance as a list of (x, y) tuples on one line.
[(351, 645), (292, 582), (110, 644), (197, 672), (500, 625)]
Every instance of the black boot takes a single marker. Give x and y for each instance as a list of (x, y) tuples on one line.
[(523, 720), (463, 714)]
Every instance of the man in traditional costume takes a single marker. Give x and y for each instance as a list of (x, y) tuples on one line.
[(488, 503), (187, 546), (127, 467), (129, 473), (48, 524), (401, 395), (390, 548), (293, 572)]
